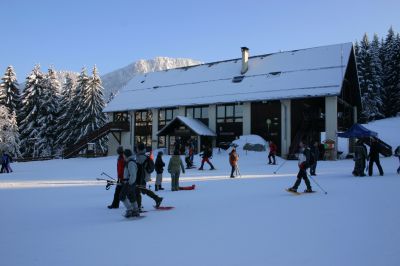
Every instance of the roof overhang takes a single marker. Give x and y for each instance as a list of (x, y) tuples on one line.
[(193, 126)]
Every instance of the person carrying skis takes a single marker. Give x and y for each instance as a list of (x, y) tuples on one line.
[(374, 157), (159, 167), (145, 167), (397, 154), (128, 194), (233, 161), (303, 163), (174, 168), (206, 155), (272, 152), (120, 176), (360, 155)]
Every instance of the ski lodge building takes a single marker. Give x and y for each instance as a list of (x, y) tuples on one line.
[(284, 97)]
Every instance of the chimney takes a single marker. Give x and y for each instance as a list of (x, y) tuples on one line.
[(245, 60)]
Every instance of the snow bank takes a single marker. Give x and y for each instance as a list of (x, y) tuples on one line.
[(250, 140), (388, 130)]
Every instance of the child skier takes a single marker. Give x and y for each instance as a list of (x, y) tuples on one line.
[(304, 163), (272, 152)]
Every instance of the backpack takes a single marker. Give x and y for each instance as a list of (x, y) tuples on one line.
[(149, 165), (397, 152)]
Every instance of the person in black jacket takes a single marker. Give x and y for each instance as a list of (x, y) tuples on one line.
[(159, 167), (304, 163), (374, 157), (314, 157)]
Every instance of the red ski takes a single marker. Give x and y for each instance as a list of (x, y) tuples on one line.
[(192, 187)]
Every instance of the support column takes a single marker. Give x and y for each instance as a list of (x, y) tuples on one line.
[(247, 118), (132, 120), (154, 129), (331, 121), (212, 120), (286, 122)]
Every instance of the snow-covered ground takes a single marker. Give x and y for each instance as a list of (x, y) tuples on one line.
[(54, 213)]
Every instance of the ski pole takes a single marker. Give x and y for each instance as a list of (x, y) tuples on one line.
[(280, 167), (316, 183), (238, 171), (108, 175)]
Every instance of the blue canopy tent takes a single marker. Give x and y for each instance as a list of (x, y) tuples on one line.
[(358, 131)]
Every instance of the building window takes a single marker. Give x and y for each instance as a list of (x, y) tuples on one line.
[(198, 112), (229, 113), (120, 117), (143, 118), (166, 115)]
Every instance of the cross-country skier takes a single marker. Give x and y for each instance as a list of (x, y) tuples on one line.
[(272, 152), (304, 163), (206, 155), (233, 161), (120, 175), (128, 194), (397, 154), (143, 161), (374, 157), (174, 168)]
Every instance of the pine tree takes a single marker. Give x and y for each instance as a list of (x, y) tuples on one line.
[(377, 70), (368, 82), (93, 118), (391, 75), (9, 91), (49, 110), (9, 135), (29, 115), (72, 128), (66, 102)]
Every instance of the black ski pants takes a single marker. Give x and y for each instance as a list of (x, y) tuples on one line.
[(143, 190), (234, 168), (373, 160), (271, 155), (302, 175), (115, 202)]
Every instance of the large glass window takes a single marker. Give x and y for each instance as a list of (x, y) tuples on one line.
[(143, 118), (229, 113), (166, 115), (120, 117), (198, 112)]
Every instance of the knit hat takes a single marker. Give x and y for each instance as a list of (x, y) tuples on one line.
[(128, 153)]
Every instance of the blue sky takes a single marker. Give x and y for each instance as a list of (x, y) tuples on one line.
[(70, 34)]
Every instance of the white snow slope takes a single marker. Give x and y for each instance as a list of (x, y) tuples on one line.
[(54, 213)]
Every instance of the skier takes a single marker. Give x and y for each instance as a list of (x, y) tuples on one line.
[(159, 167), (174, 168), (374, 157), (144, 165), (272, 152), (9, 163), (120, 176), (304, 163), (397, 154), (206, 155), (314, 157), (128, 194), (360, 155), (233, 161)]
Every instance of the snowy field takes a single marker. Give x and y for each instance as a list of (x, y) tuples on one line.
[(54, 213)]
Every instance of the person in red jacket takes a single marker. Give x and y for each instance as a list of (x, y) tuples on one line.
[(120, 173), (272, 152)]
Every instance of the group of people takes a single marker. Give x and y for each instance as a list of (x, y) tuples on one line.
[(361, 156), (6, 161)]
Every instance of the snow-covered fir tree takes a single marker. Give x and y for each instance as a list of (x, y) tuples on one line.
[(377, 70), (48, 114), (93, 116), (391, 74), (9, 91), (29, 115), (9, 135), (368, 82), (72, 129), (66, 102)]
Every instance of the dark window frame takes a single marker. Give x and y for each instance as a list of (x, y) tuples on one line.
[(224, 118)]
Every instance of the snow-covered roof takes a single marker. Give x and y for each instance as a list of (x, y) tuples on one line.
[(195, 125), (293, 74)]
